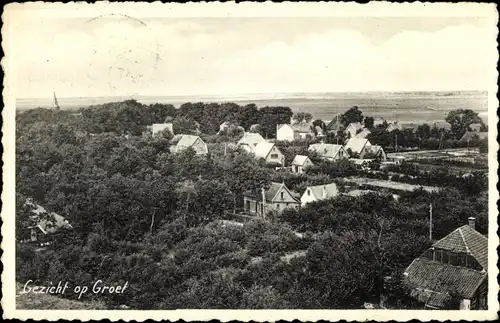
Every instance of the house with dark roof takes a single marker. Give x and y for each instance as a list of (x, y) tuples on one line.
[(274, 199), (453, 272), (300, 163), (334, 125), (319, 192)]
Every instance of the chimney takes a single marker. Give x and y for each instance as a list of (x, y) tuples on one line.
[(472, 222)]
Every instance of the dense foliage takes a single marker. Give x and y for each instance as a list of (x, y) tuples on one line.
[(144, 215)]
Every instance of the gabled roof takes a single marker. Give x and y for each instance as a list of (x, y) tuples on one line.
[(356, 144), (394, 126), (325, 150), (470, 135), (330, 190), (466, 240), (271, 192), (299, 160), (187, 140), (363, 134), (429, 277), (250, 138), (262, 149), (374, 149), (334, 124), (49, 224), (355, 125)]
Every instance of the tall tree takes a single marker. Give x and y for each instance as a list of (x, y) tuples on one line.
[(369, 122), (271, 117), (460, 120), (352, 115)]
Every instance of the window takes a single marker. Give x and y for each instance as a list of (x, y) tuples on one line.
[(461, 259), (453, 259), (282, 195), (277, 206), (437, 255), (445, 257), (308, 192), (274, 156), (287, 204)]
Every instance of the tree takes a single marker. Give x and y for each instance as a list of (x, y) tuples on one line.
[(351, 116), (424, 131), (160, 112), (185, 126), (272, 116), (460, 120), (369, 122)]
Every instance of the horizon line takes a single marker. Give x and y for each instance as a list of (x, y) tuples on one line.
[(250, 93)]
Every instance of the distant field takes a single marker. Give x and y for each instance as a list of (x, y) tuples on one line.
[(415, 107), (390, 184)]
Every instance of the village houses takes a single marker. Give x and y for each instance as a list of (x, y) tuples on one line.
[(182, 142), (454, 267), (276, 198), (250, 140), (300, 163), (329, 152), (269, 152), (319, 192), (45, 225), (297, 131)]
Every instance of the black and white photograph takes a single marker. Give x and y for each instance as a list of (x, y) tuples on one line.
[(332, 157)]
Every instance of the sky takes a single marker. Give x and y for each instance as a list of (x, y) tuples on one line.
[(122, 55)]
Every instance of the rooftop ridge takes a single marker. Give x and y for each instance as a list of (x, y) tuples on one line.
[(463, 239)]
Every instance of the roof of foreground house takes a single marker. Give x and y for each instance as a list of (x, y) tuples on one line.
[(425, 274), (466, 240), (433, 281)]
